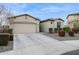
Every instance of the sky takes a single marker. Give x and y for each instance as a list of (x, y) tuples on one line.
[(44, 11)]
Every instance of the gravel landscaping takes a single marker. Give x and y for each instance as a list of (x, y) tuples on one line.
[(67, 37), (7, 48)]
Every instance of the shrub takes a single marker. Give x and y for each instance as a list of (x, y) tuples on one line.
[(5, 27), (75, 30), (4, 37), (67, 29), (71, 33), (60, 28), (61, 33), (50, 30), (11, 34), (78, 29), (55, 30), (5, 31), (10, 31)]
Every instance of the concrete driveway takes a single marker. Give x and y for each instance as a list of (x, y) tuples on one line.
[(38, 44)]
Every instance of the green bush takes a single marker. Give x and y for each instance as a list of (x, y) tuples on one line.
[(55, 30), (50, 30), (67, 29), (60, 28), (7, 31), (4, 38), (10, 31)]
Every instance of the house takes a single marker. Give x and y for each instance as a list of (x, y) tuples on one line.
[(24, 24), (73, 20), (51, 23)]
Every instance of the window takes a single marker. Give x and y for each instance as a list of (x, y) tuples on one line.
[(51, 22), (58, 24)]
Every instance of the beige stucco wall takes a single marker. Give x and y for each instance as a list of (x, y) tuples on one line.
[(25, 22), (46, 25), (25, 19), (71, 19)]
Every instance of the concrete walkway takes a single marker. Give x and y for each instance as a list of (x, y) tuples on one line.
[(38, 44)]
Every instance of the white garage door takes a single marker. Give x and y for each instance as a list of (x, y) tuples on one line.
[(24, 28)]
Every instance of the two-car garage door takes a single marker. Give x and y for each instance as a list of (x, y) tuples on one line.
[(24, 28)]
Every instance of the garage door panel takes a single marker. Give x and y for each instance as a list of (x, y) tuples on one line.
[(24, 28)]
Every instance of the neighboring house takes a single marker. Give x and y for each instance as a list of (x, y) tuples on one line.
[(51, 23), (73, 20), (24, 24)]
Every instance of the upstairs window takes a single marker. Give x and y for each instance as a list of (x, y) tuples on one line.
[(58, 24), (51, 22)]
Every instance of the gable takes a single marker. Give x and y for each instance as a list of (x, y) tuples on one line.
[(24, 18)]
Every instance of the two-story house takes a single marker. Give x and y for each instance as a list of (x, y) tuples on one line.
[(73, 20), (51, 23)]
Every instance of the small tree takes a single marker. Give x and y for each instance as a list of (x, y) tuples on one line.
[(5, 13)]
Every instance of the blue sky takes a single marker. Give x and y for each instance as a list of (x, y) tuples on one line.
[(44, 10)]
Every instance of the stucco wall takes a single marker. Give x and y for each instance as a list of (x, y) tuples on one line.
[(46, 25), (30, 19), (25, 19), (71, 19)]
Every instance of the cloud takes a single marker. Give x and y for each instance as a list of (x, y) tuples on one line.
[(56, 8), (43, 11), (48, 11), (17, 8)]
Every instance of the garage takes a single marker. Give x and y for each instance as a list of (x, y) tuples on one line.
[(24, 24), (24, 28)]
